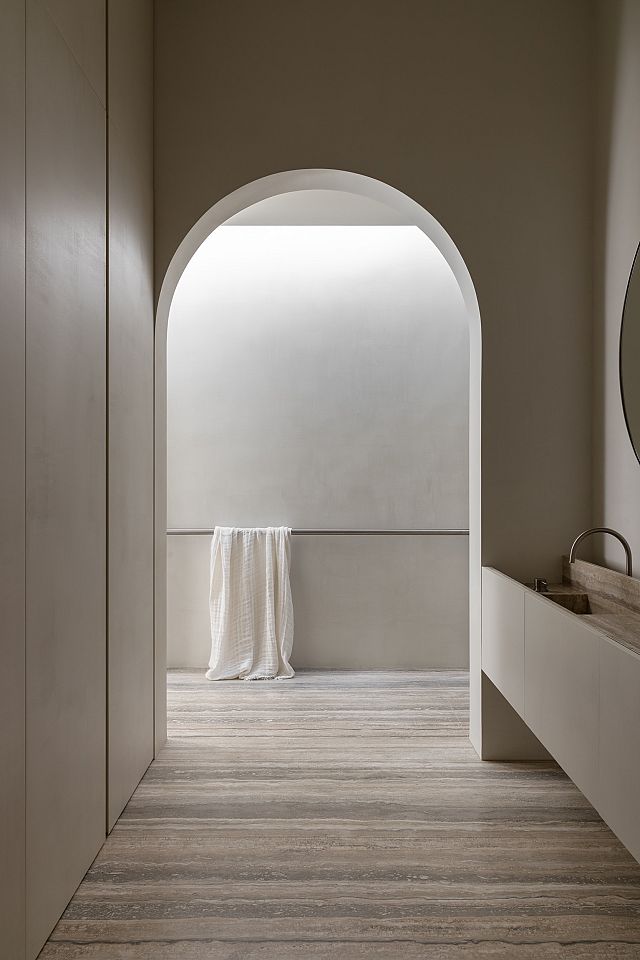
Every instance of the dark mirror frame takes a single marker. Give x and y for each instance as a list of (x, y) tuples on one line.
[(635, 264)]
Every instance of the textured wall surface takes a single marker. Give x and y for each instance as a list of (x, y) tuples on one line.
[(12, 582), (66, 369), (318, 378), (359, 602), (616, 469), (130, 620), (482, 113), (58, 739), (479, 111)]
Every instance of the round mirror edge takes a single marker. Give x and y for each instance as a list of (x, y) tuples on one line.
[(635, 262)]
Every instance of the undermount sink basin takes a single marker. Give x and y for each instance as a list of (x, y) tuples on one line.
[(575, 602)]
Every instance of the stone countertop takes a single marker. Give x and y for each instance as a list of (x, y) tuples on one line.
[(624, 628), (614, 600)]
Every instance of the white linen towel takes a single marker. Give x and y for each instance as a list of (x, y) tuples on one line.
[(250, 604)]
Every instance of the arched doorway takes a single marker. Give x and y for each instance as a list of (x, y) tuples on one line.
[(233, 204)]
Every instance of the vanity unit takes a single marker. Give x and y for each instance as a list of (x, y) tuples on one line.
[(574, 678)]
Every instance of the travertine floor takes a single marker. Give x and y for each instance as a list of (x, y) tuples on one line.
[(345, 815)]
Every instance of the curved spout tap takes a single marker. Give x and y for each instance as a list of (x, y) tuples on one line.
[(614, 533)]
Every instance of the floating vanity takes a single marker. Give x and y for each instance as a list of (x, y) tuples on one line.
[(568, 662)]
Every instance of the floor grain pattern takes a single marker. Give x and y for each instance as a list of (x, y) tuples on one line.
[(345, 816)]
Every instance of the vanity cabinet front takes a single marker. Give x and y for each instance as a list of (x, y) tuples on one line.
[(620, 742), (577, 689), (561, 688), (503, 635)]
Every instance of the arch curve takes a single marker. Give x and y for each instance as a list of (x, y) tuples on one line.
[(343, 181), (292, 181)]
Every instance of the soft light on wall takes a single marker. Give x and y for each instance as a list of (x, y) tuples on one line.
[(318, 377)]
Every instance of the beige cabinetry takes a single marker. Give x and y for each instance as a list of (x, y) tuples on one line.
[(69, 755), (12, 584), (503, 635), (561, 688), (65, 472), (576, 689), (619, 742)]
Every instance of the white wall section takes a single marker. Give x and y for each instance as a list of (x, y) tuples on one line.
[(481, 116), (318, 377), (359, 603)]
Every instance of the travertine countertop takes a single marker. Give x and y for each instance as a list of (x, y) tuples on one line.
[(614, 600)]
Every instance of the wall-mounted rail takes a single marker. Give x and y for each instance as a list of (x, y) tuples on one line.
[(179, 532)]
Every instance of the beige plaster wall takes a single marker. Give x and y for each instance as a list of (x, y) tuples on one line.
[(617, 234), (479, 111)]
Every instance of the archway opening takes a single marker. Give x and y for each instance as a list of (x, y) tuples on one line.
[(345, 198)]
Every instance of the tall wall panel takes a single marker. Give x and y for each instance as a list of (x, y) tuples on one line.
[(12, 478), (65, 469), (131, 319)]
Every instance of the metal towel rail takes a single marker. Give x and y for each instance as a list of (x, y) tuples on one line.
[(179, 532)]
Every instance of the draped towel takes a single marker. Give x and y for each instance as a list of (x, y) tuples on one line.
[(250, 604)]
